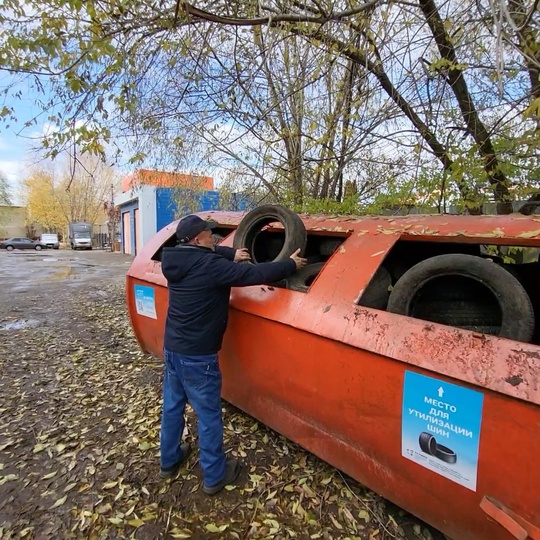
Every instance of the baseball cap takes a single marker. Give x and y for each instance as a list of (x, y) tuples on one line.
[(190, 226)]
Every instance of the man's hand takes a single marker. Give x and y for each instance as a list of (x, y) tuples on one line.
[(299, 261), (241, 255)]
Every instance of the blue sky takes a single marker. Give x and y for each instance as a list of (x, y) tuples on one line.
[(17, 141)]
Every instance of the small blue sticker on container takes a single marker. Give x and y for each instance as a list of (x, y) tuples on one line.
[(441, 427), (145, 301)]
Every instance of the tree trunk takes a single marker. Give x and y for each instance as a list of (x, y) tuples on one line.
[(475, 126)]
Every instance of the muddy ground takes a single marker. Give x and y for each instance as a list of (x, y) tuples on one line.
[(79, 431)]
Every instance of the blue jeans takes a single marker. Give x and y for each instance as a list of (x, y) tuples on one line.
[(196, 379)]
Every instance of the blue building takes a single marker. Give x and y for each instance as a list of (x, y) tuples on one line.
[(146, 209)]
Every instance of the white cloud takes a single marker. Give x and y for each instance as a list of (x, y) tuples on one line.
[(13, 171)]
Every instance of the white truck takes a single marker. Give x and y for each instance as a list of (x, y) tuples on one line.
[(50, 240), (80, 235)]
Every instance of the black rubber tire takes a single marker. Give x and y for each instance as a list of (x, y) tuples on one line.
[(427, 443), (445, 454), (378, 290), (515, 305), (458, 313), (38, 248), (299, 280), (250, 226), (10, 248), (328, 247)]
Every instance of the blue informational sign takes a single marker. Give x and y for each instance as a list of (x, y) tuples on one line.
[(441, 427), (145, 301)]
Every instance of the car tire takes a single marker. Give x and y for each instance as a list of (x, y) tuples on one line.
[(377, 292), (301, 280), (427, 443), (328, 247), (10, 248), (38, 248), (516, 311), (251, 225)]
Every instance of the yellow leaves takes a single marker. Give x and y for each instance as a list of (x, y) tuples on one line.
[(273, 524), (289, 493), (120, 493), (59, 502), (533, 110), (529, 234), (145, 446), (49, 204), (135, 522), (364, 515), (7, 444), (213, 528), (336, 523), (104, 508), (180, 533), (110, 485), (8, 478), (255, 478)]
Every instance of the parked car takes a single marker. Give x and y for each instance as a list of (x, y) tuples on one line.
[(50, 240), (22, 243)]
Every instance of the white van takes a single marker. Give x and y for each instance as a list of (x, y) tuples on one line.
[(50, 240)]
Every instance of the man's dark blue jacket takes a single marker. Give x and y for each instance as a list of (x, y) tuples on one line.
[(200, 282)]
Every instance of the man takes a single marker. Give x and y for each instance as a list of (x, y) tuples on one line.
[(200, 277)]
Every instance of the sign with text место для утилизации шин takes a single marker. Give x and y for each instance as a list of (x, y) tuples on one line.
[(441, 426), (145, 301)]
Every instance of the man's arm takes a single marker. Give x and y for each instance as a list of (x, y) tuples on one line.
[(226, 252), (235, 255), (242, 275)]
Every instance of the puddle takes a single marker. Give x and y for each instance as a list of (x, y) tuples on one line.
[(19, 325), (60, 273)]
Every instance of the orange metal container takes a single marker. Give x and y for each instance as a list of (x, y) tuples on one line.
[(354, 385)]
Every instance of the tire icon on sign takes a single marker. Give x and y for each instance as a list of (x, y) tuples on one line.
[(428, 445)]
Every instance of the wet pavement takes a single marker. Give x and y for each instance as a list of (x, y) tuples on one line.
[(31, 280), (22, 270)]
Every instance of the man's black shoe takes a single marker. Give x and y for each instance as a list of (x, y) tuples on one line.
[(232, 470), (171, 471)]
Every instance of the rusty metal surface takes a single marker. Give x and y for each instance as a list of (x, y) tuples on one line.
[(329, 374)]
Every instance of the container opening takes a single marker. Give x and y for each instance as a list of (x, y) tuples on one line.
[(319, 249), (265, 243), (219, 233), (469, 298)]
